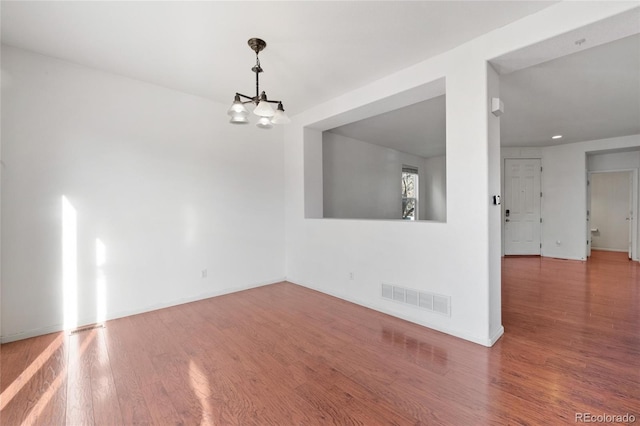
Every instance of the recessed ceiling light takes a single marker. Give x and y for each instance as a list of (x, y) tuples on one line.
[(556, 137)]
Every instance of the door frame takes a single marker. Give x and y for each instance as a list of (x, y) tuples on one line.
[(503, 167), (633, 225)]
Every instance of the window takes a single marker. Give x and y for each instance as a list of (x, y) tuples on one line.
[(409, 193)]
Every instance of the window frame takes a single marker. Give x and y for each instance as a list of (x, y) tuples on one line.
[(416, 172)]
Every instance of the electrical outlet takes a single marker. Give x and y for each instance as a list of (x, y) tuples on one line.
[(204, 273), (351, 276)]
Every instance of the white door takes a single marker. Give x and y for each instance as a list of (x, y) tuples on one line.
[(522, 206)]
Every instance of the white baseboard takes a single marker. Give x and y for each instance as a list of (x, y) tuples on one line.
[(497, 335), (31, 333), (579, 259), (610, 249), (484, 341), (125, 313)]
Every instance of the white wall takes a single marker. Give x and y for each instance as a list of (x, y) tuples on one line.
[(158, 176), (564, 201), (609, 161), (362, 180), (610, 206), (454, 258), (494, 219), (2, 83), (625, 160), (564, 191), (433, 185)]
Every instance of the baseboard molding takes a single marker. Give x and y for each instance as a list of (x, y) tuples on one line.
[(31, 333), (609, 249), (182, 301), (579, 259), (484, 341), (125, 313), (490, 341), (548, 256), (496, 336)]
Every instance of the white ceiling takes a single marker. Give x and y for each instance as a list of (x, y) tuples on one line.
[(584, 91), (589, 95), (593, 94), (316, 50), (417, 129)]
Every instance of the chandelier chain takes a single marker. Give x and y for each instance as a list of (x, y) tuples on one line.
[(257, 79)]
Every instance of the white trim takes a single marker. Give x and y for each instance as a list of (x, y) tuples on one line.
[(634, 205), (484, 341), (579, 259), (83, 322), (497, 335), (609, 249)]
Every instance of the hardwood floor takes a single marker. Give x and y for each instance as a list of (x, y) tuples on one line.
[(286, 355)]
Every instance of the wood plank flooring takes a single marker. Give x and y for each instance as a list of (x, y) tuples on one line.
[(287, 355)]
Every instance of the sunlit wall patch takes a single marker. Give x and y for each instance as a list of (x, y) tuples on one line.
[(69, 264), (101, 282)]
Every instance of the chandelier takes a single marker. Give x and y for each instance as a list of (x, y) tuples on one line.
[(263, 109)]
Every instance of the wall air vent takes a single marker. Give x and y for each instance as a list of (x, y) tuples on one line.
[(387, 291), (86, 328), (430, 301), (441, 304), (426, 301), (398, 294), (411, 297)]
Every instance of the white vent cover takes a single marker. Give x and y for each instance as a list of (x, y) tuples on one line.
[(86, 328), (398, 294), (441, 304), (426, 301), (429, 301), (387, 291), (411, 297)]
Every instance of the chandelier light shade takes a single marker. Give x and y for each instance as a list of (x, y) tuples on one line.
[(237, 107), (280, 117), (263, 109), (264, 123), (239, 119)]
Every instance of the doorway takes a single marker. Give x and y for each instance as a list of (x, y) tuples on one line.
[(522, 219), (611, 212)]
